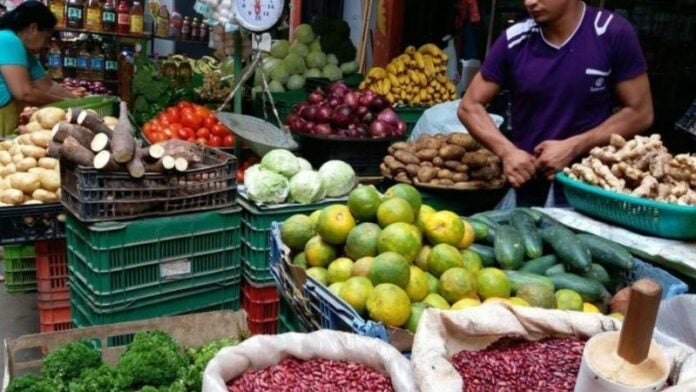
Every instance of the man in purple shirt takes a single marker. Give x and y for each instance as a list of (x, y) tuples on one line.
[(567, 69)]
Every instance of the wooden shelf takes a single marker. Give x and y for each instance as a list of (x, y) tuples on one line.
[(135, 36), (105, 81)]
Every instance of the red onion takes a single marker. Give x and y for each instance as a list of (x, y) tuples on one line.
[(379, 129), (400, 128), (291, 117), (367, 97), (378, 103), (351, 99), (343, 133), (338, 89), (309, 126), (309, 112), (361, 111), (322, 129), (323, 114), (362, 130), (368, 118), (333, 101), (316, 96), (388, 115), (299, 107), (342, 116), (297, 124)]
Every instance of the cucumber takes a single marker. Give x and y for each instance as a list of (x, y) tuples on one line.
[(508, 247), (481, 229), (537, 216), (607, 253), (497, 216), (598, 273), (569, 249), (531, 238), (539, 265), (518, 278), (556, 269), (485, 219), (590, 290), (486, 253)]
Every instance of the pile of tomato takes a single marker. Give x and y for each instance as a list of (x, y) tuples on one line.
[(190, 122)]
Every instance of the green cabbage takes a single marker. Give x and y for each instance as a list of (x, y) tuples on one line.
[(275, 87), (332, 59), (299, 49), (315, 46), (332, 72), (282, 162), (280, 73), (304, 34), (296, 82), (265, 186), (306, 187), (338, 178), (316, 60), (349, 68), (304, 164), (294, 64), (313, 73), (280, 48)]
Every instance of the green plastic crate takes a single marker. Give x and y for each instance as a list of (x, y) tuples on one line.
[(410, 115), (256, 264), (17, 251), (103, 105), (283, 101), (19, 269), (119, 262), (287, 318)]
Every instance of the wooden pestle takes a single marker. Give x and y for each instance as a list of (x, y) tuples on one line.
[(639, 322)]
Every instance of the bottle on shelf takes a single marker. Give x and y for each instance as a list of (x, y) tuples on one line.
[(74, 14), (70, 61), (55, 60), (108, 16), (84, 62), (93, 19), (137, 22), (195, 30), (205, 32), (169, 69), (110, 63), (148, 19), (58, 9), (184, 73), (123, 18), (175, 25), (186, 29), (162, 22), (98, 64)]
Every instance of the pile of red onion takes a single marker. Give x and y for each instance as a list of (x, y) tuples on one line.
[(342, 112), (91, 86)]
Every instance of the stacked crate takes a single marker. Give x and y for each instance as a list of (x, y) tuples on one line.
[(20, 269), (52, 285)]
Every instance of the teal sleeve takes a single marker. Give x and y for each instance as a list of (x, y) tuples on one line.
[(13, 51), (36, 70)]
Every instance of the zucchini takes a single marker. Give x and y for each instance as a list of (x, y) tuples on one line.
[(481, 229), (598, 273), (590, 290), (569, 249), (518, 278), (607, 253), (508, 247), (556, 269), (539, 265), (486, 254), (531, 239)]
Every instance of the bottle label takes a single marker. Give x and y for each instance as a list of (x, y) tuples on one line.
[(54, 60), (124, 19), (74, 13), (93, 18), (97, 64), (109, 17), (136, 23), (111, 65), (83, 63), (69, 62), (58, 11)]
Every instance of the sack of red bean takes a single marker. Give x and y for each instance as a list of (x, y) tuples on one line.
[(501, 347), (319, 361)]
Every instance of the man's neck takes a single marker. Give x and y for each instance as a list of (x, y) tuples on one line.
[(558, 31)]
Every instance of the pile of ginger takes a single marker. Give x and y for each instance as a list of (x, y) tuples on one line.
[(640, 167)]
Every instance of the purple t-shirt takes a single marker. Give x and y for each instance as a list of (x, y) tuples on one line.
[(561, 91)]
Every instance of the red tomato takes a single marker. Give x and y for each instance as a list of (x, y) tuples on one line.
[(168, 132), (173, 114), (147, 128), (158, 137), (183, 105), (201, 140), (219, 130), (185, 133), (209, 122), (175, 127), (191, 140), (203, 111), (214, 141), (163, 119), (228, 140), (191, 120), (203, 133)]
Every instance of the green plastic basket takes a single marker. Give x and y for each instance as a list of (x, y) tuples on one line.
[(122, 262), (18, 251), (643, 215), (288, 321), (103, 105), (256, 264), (19, 269)]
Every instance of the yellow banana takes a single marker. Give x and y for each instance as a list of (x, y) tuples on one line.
[(423, 79), (428, 66), (413, 76), (393, 79), (419, 60), (430, 49), (390, 98), (391, 69), (399, 65), (410, 49), (430, 90), (377, 73), (423, 94), (386, 85), (444, 57)]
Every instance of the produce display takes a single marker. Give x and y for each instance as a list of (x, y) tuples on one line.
[(455, 161), (415, 78), (391, 256), (301, 375), (189, 122), (155, 90), (213, 88), (90, 86), (342, 112), (639, 167), (324, 53), (282, 177), (152, 362), (521, 365)]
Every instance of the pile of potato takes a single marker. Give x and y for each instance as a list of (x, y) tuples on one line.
[(454, 160)]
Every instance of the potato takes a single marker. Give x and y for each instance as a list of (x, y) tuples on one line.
[(50, 180), (392, 163), (32, 202), (15, 149), (5, 145), (426, 174), (110, 121), (475, 160), (12, 196), (427, 154), (44, 196), (40, 139), (33, 151), (37, 170), (8, 170), (452, 165), (460, 177), (25, 164), (382, 167), (17, 157), (444, 173), (34, 126), (48, 163), (406, 157), (402, 146), (49, 117), (24, 139), (486, 173), (25, 182), (5, 158), (451, 152), (463, 140), (430, 143), (4, 184), (446, 182), (462, 168), (426, 164), (437, 161), (412, 169)]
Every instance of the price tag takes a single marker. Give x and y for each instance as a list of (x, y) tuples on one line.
[(175, 269), (203, 9)]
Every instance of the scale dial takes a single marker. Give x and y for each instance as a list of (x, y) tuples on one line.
[(258, 15)]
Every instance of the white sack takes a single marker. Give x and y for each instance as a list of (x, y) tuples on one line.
[(442, 118)]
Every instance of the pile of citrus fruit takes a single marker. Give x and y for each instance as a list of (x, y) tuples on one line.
[(390, 256)]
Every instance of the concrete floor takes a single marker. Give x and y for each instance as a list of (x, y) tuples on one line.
[(18, 316)]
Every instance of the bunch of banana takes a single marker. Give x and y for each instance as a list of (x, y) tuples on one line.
[(202, 66), (415, 78)]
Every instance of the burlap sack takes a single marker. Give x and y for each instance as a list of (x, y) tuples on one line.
[(441, 335), (267, 350)]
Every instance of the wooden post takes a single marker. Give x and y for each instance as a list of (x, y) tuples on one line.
[(388, 29)]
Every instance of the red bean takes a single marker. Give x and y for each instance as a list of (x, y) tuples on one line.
[(321, 375), (519, 365)]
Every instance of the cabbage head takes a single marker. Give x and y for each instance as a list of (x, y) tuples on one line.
[(294, 63), (313, 73), (338, 178), (264, 186), (280, 48), (299, 49), (315, 46), (304, 164), (304, 33), (296, 82), (306, 187), (282, 162), (350, 67), (316, 60), (275, 87), (280, 73), (332, 59), (332, 72)]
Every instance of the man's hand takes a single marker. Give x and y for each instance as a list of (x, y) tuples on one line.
[(518, 167), (553, 155)]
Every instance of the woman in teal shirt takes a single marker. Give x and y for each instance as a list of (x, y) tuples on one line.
[(24, 32)]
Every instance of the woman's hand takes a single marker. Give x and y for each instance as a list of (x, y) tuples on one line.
[(77, 92)]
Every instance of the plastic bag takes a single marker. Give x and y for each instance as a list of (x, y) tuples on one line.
[(267, 350), (441, 335), (442, 118)]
